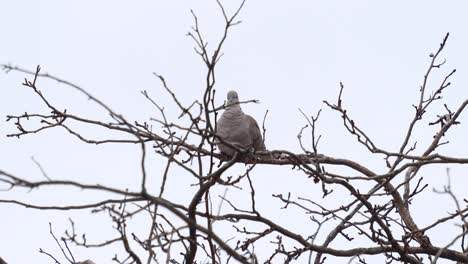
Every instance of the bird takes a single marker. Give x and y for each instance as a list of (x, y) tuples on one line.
[(238, 129)]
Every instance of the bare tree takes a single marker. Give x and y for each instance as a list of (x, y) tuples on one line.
[(378, 214)]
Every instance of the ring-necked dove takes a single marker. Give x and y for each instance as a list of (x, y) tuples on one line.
[(237, 128)]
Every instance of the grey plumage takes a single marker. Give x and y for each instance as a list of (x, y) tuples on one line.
[(237, 128), (86, 262)]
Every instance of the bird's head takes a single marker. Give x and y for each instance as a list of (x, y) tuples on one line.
[(232, 98)]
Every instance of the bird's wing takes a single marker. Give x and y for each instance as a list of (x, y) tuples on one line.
[(255, 134), (222, 127)]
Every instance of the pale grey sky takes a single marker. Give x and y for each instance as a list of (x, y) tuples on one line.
[(287, 54)]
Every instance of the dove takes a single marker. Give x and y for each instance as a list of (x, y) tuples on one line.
[(237, 128)]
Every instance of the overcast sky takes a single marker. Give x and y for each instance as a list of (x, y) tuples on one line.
[(287, 54)]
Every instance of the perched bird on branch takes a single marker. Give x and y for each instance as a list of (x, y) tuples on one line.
[(237, 128)]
